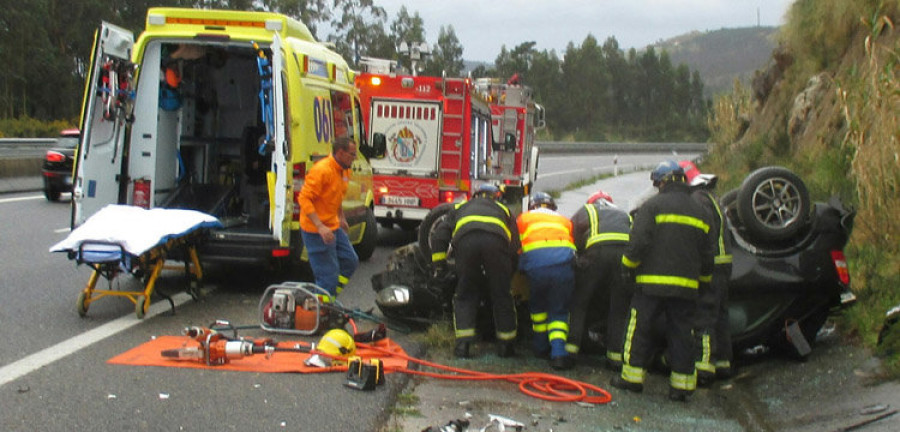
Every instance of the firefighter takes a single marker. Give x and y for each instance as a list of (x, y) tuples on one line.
[(547, 259), (667, 256), (712, 327), (481, 235), (600, 229)]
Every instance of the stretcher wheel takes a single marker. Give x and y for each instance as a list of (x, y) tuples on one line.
[(81, 304), (141, 306)]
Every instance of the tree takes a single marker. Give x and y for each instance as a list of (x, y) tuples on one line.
[(447, 55), (357, 27), (517, 61), (409, 30)]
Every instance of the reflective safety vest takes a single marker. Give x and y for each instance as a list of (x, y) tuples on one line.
[(544, 228)]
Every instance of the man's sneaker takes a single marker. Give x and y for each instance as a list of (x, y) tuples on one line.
[(506, 349), (678, 395), (562, 362), (461, 350), (619, 382)]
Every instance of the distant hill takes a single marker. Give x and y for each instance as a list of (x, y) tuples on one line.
[(720, 56)]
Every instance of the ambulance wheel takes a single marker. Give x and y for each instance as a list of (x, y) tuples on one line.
[(141, 306), (366, 246), (81, 304)]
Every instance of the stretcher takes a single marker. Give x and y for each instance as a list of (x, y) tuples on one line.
[(126, 240)]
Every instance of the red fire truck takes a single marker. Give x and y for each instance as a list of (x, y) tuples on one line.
[(444, 137)]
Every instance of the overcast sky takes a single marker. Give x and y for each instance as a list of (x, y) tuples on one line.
[(483, 26)]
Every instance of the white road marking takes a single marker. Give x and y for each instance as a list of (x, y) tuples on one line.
[(61, 230), (49, 355), (24, 198)]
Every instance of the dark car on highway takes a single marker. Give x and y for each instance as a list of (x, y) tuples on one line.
[(57, 167)]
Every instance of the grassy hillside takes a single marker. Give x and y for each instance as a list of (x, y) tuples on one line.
[(827, 107), (721, 56)]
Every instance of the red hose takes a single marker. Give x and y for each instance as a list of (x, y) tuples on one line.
[(539, 385)]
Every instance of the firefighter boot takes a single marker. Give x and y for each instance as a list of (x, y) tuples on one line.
[(678, 395), (565, 362), (461, 350), (619, 382), (506, 349)]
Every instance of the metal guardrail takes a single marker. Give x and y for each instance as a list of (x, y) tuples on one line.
[(613, 147), (26, 142)]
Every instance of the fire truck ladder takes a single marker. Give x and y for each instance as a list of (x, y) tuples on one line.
[(452, 149)]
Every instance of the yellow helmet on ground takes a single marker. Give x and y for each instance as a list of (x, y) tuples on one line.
[(337, 343)]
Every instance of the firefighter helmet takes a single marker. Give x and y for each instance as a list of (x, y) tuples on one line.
[(599, 195), (695, 177), (487, 190), (337, 343), (666, 172), (541, 200)]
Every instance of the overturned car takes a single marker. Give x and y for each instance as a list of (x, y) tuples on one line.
[(789, 270)]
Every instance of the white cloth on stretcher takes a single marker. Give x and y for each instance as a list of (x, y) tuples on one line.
[(136, 229)]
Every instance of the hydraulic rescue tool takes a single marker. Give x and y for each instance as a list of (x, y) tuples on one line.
[(216, 349)]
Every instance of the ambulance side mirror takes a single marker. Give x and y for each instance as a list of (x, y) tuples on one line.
[(378, 148)]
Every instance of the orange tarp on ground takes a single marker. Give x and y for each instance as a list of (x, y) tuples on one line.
[(148, 354)]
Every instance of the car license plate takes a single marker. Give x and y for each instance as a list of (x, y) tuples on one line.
[(67, 180), (400, 200)]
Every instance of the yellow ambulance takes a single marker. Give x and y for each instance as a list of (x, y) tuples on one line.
[(222, 112)]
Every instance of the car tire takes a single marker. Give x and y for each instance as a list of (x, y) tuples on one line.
[(773, 204), (428, 225), (366, 247)]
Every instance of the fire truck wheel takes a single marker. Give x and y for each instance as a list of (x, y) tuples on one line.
[(426, 228), (366, 246)]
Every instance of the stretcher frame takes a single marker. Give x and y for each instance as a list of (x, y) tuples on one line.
[(147, 266)]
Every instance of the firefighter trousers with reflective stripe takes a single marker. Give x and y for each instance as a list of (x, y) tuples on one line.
[(712, 326), (598, 289), (332, 263), (550, 294), (484, 267), (641, 342)]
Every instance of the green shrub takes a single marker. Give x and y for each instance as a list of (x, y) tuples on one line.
[(27, 127)]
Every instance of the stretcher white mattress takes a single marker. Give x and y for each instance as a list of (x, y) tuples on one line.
[(136, 229)]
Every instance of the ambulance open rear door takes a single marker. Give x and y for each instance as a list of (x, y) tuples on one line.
[(100, 177)]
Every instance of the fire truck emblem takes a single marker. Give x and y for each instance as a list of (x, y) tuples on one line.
[(405, 145)]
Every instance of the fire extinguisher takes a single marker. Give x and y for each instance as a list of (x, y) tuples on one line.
[(140, 197)]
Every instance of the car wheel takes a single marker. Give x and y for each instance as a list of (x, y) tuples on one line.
[(366, 247), (51, 194), (773, 204), (428, 225)]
